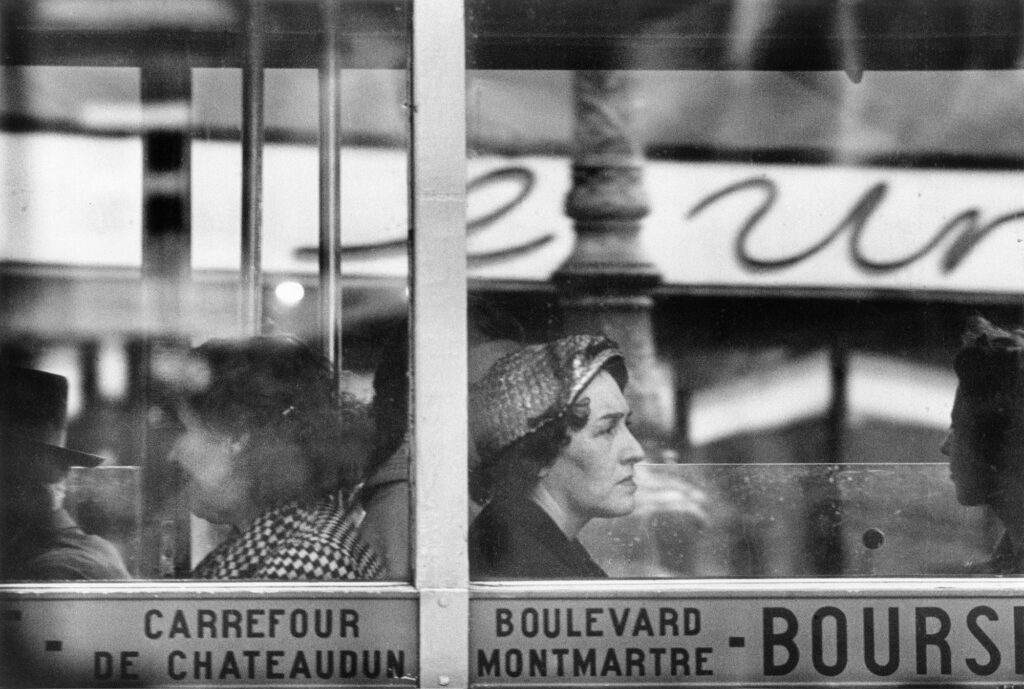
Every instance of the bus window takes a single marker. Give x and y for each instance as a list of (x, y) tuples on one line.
[(229, 174), (785, 245)]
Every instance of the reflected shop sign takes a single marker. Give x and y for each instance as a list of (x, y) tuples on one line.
[(711, 224), (135, 641), (761, 639), (770, 225)]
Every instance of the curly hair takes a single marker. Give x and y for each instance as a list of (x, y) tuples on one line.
[(282, 395), (990, 370)]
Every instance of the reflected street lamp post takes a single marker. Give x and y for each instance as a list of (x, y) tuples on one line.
[(605, 283)]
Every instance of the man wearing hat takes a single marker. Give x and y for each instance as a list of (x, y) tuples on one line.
[(551, 426), (39, 540)]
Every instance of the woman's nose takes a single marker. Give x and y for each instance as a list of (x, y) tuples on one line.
[(634, 453)]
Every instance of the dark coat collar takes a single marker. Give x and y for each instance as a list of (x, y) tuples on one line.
[(514, 538)]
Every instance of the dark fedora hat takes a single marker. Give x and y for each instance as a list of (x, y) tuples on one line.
[(32, 402)]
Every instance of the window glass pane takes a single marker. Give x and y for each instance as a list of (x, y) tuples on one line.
[(786, 218), (128, 142), (752, 520)]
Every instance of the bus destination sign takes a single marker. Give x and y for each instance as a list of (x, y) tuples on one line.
[(742, 640), (336, 641)]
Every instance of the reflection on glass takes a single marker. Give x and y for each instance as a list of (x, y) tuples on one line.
[(760, 520), (268, 449), (120, 214), (819, 237), (39, 537)]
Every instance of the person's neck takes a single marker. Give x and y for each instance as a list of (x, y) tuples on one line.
[(567, 521), (1011, 513), (243, 518), (57, 491)]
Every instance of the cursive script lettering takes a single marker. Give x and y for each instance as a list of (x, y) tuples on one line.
[(967, 226), (523, 180)]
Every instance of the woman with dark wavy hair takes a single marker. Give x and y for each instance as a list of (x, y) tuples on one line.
[(266, 449), (985, 444)]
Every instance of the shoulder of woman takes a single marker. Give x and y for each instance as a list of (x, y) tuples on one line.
[(331, 554)]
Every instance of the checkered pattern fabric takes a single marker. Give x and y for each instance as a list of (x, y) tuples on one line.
[(312, 542)]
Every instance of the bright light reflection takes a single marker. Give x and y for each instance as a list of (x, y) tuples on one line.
[(289, 293)]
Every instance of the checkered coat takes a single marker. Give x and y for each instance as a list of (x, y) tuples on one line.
[(311, 542)]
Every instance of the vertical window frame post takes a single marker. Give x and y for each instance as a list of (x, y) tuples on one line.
[(439, 383)]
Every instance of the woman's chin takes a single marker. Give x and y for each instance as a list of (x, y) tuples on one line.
[(969, 497), (621, 507)]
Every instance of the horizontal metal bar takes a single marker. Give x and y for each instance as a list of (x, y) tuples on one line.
[(626, 589), (206, 590)]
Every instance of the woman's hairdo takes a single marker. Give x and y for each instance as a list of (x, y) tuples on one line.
[(989, 367), (283, 396), (991, 359), (390, 407), (523, 408)]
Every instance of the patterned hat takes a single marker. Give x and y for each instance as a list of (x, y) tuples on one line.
[(534, 385)]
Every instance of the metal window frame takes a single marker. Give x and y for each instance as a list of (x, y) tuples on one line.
[(439, 377)]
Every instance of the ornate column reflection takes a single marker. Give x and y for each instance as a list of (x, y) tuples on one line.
[(605, 283)]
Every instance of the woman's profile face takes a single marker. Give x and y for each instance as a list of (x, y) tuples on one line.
[(217, 490), (985, 447), (593, 475), (967, 468)]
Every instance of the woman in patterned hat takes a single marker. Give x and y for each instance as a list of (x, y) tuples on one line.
[(985, 444), (551, 426), (266, 449)]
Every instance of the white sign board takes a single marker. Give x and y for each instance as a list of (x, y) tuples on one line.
[(776, 226), (716, 634), (731, 639), (193, 640), (710, 224)]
